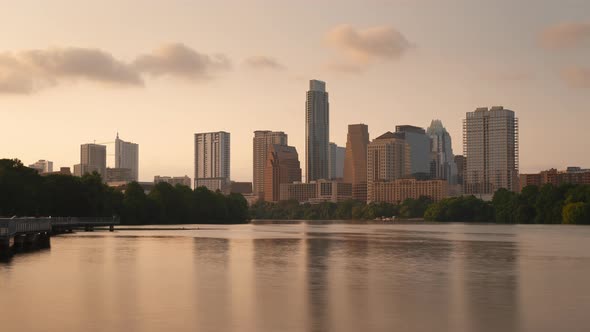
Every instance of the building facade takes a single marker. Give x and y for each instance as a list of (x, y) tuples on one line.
[(443, 160), (173, 180), (282, 167), (42, 166), (127, 156), (119, 175), (420, 150), (263, 140), (301, 192), (93, 158), (212, 160), (572, 175), (336, 162), (240, 188), (317, 132), (490, 146), (355, 160), (388, 159), (317, 191), (397, 191)]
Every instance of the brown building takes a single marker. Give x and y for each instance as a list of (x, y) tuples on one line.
[(240, 187), (572, 175), (388, 159), (282, 166), (398, 191), (62, 171), (263, 140), (301, 192), (355, 160), (460, 162)]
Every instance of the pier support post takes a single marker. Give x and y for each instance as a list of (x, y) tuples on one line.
[(5, 250), (19, 243), (44, 240), (89, 228), (30, 241), (111, 228)]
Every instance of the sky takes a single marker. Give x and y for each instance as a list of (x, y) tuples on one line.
[(156, 72)]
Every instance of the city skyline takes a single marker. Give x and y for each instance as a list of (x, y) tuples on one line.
[(436, 71)]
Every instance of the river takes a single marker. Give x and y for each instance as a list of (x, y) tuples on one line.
[(304, 277)]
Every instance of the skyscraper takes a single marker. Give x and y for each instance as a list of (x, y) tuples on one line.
[(282, 167), (212, 160), (443, 161), (42, 166), (93, 158), (355, 160), (388, 159), (336, 162), (317, 131), (490, 146), (419, 148), (263, 140), (127, 156)]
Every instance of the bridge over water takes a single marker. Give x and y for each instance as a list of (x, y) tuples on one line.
[(28, 233)]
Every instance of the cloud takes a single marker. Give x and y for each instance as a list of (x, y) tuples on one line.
[(565, 36), (577, 77), (181, 61), (31, 70), (263, 62), (364, 46)]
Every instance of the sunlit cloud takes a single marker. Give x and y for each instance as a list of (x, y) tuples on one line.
[(569, 35), (179, 60), (577, 77), (31, 70), (263, 62), (361, 47)]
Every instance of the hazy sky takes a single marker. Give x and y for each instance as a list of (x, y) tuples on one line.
[(74, 72)]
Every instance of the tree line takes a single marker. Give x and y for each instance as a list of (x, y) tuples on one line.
[(23, 192)]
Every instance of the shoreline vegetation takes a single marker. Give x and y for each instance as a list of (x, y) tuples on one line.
[(23, 192)]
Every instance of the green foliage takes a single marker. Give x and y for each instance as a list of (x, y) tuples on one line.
[(23, 192), (576, 213), (460, 209)]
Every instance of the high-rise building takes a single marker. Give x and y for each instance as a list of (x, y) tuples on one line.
[(419, 143), (388, 159), (42, 166), (317, 131), (443, 161), (282, 166), (263, 140), (460, 162), (127, 156), (490, 144), (93, 158), (336, 161), (355, 160), (212, 160)]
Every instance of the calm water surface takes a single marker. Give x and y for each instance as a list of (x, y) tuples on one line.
[(304, 277)]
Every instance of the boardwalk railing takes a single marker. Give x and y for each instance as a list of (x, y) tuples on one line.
[(9, 227)]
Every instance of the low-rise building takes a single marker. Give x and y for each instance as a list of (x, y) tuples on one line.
[(173, 180), (316, 191), (62, 171), (572, 175), (240, 187), (301, 192), (119, 175), (42, 166), (397, 191)]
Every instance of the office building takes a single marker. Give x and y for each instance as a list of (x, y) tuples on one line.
[(460, 162), (397, 191), (127, 156), (263, 140), (93, 158), (212, 160), (120, 175), (420, 151), (301, 192), (355, 160), (282, 166), (42, 166), (388, 159), (317, 132), (173, 180), (317, 191), (336, 161), (244, 188), (490, 146), (443, 160)]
